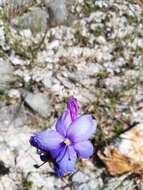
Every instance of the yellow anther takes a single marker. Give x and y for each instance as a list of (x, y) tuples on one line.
[(67, 141)]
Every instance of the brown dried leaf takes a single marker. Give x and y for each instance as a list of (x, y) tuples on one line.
[(125, 153), (117, 163)]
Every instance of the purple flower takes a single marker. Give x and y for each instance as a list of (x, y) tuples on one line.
[(69, 140)]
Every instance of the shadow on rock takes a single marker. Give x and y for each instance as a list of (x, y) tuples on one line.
[(3, 170)]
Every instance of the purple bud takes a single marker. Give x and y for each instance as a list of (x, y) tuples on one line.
[(73, 106)]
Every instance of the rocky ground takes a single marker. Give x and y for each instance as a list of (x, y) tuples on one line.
[(49, 50)]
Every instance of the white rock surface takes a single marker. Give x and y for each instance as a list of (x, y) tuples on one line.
[(6, 74), (38, 102)]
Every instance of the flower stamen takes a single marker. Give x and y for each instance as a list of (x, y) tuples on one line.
[(67, 141)]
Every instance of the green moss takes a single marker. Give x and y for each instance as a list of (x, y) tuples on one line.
[(28, 86), (65, 98), (113, 96), (82, 40), (130, 64), (6, 99), (130, 19), (89, 6), (97, 30), (15, 41), (21, 23), (119, 128), (102, 74), (99, 137), (4, 16), (7, 31), (27, 185), (2, 92), (141, 17)]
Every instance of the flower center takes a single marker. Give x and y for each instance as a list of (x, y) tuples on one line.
[(67, 141)]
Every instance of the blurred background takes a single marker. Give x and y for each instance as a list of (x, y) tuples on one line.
[(52, 49)]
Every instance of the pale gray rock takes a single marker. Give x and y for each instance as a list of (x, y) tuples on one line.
[(119, 183), (87, 180), (59, 11), (36, 20), (16, 60), (7, 183), (113, 83), (2, 3), (42, 182), (80, 177), (2, 36), (14, 93), (13, 115), (6, 74), (37, 102)]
